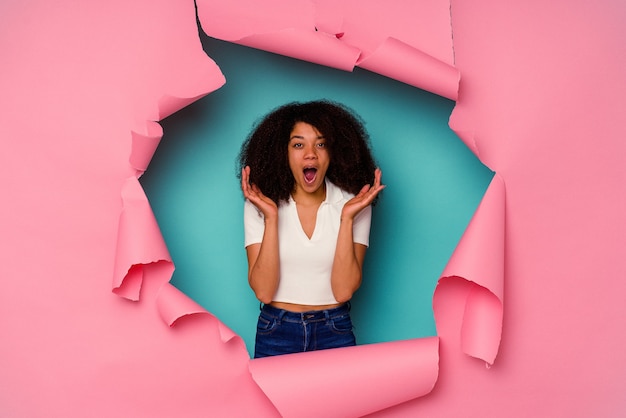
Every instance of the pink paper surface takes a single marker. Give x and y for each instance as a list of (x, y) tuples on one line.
[(408, 41), (173, 305), (81, 83), (402, 62), (539, 102), (352, 381), (479, 258), (139, 241)]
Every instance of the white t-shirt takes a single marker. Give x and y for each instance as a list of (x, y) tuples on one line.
[(306, 264)]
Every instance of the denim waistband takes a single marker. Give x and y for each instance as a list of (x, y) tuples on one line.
[(308, 316)]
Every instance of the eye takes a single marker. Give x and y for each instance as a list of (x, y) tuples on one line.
[(297, 145), (321, 144)]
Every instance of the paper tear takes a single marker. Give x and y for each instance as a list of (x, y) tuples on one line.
[(479, 259), (316, 47), (144, 144), (294, 33), (400, 61), (482, 324), (469, 139), (169, 104), (352, 381), (410, 368), (173, 305), (139, 241)]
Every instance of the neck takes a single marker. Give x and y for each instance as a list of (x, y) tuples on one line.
[(308, 199)]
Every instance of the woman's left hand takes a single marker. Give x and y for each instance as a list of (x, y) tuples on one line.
[(364, 198)]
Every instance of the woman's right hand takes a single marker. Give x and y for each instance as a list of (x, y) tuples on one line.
[(251, 192)]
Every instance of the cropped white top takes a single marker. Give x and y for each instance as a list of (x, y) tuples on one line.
[(306, 264)]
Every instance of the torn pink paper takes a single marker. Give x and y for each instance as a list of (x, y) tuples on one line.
[(77, 79), (479, 259), (290, 32), (316, 47), (139, 238), (352, 381), (321, 34), (400, 61), (169, 104), (366, 24), (114, 358), (389, 58), (144, 144), (467, 136), (139, 241), (173, 305)]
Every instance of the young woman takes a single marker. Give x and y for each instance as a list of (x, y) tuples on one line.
[(309, 178)]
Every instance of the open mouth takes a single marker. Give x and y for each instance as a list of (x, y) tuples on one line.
[(309, 174)]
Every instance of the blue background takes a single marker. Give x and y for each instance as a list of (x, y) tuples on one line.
[(434, 184)]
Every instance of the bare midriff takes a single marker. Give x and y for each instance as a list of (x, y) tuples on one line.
[(294, 307)]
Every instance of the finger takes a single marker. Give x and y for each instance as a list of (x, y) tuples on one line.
[(375, 190), (377, 177), (363, 190), (372, 193), (245, 176), (258, 193)]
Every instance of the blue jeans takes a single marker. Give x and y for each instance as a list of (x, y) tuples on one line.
[(283, 332)]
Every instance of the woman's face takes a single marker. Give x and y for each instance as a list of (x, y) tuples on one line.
[(308, 158)]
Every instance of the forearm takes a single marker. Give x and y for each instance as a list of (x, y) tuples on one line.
[(347, 269), (264, 266)]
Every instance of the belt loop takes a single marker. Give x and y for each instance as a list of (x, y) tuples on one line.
[(281, 313), (326, 316)]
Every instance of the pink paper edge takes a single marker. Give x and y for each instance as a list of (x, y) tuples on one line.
[(479, 260), (315, 47), (174, 305), (139, 241), (141, 154), (434, 75), (281, 377)]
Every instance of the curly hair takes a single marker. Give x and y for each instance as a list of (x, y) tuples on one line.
[(265, 150)]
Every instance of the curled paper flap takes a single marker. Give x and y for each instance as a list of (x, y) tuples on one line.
[(400, 61), (351, 381), (479, 255), (139, 241), (479, 259), (230, 20), (316, 47), (468, 138), (291, 32), (314, 32), (169, 104), (173, 305), (482, 324), (144, 144)]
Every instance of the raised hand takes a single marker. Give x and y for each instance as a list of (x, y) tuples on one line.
[(256, 196), (364, 198)]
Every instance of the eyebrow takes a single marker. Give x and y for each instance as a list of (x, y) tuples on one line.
[(301, 137)]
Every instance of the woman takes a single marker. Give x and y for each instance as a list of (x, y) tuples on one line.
[(308, 177)]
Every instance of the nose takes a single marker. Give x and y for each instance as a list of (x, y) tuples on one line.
[(310, 151)]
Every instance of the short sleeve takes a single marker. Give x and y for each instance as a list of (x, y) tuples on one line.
[(253, 224), (361, 226)]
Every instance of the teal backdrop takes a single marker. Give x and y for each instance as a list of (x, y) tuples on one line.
[(434, 184)]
